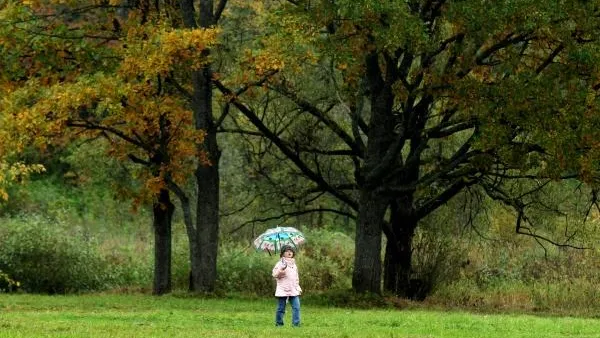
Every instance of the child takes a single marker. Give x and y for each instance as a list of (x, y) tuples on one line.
[(288, 286)]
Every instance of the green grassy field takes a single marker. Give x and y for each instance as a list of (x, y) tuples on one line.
[(171, 316)]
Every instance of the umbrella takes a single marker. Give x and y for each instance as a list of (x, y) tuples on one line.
[(273, 239)]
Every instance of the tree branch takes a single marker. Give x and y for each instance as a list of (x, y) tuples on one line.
[(314, 111), (91, 126), (254, 119), (498, 195), (291, 214), (550, 58), (441, 199), (219, 10)]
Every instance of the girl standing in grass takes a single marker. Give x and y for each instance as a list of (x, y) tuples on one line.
[(288, 286)]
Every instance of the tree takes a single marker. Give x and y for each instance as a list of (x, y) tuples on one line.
[(114, 78), (431, 98)]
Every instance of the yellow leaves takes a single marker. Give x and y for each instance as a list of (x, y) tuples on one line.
[(138, 121), (204, 158), (31, 3), (257, 65), (16, 172), (178, 41), (154, 51)]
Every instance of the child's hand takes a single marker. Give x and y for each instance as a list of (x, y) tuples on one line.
[(283, 263)]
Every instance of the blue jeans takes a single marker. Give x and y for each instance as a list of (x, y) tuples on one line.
[(295, 303)]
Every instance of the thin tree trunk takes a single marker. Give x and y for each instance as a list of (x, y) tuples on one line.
[(204, 243), (204, 259), (162, 211)]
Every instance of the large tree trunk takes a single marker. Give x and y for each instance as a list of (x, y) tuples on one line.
[(372, 204), (162, 216), (367, 257), (398, 252)]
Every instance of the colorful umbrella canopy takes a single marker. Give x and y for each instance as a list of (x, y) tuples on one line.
[(273, 239)]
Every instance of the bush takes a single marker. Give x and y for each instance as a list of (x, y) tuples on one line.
[(128, 265), (241, 269), (437, 259), (45, 258), (325, 263)]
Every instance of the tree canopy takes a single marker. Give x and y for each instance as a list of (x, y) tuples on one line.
[(423, 100)]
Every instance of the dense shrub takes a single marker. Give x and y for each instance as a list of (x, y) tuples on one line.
[(437, 259), (180, 268), (47, 258), (87, 240), (572, 295)]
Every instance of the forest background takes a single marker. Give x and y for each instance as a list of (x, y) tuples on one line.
[(431, 150)]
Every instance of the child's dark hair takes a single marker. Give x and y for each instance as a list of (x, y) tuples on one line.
[(286, 248)]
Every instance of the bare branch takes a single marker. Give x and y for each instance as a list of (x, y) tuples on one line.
[(171, 79), (291, 214), (246, 205), (289, 153), (224, 114), (321, 116), (92, 126), (240, 131), (497, 194), (550, 58), (510, 39), (441, 199)]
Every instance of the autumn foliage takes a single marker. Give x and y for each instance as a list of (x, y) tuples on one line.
[(93, 72)]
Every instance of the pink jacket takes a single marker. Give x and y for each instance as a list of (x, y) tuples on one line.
[(288, 282)]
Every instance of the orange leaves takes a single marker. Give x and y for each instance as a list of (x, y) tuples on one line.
[(263, 62), (154, 185)]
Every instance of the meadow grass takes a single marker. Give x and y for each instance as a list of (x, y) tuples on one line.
[(139, 315)]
